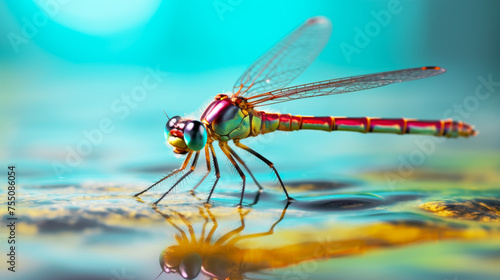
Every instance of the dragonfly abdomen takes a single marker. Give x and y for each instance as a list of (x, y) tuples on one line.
[(287, 122)]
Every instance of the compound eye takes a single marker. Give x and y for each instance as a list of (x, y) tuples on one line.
[(171, 123), (167, 262), (195, 135), (190, 266)]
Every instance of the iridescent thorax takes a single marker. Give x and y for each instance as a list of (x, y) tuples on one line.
[(229, 119)]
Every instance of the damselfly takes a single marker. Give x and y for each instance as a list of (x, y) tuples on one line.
[(236, 116)]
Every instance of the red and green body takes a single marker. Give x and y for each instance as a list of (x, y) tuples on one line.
[(265, 83), (227, 120)]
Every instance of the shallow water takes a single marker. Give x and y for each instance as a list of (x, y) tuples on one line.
[(436, 224)]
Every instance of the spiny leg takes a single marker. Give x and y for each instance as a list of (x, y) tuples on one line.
[(238, 158), (224, 148), (269, 163), (214, 227), (188, 225), (255, 235), (184, 164), (205, 217), (193, 166), (217, 171), (235, 155), (169, 220), (209, 168), (230, 234)]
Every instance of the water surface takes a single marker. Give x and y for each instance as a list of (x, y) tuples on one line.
[(436, 224)]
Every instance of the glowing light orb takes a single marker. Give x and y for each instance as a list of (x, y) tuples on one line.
[(100, 17)]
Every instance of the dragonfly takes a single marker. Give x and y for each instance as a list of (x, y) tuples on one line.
[(235, 116)]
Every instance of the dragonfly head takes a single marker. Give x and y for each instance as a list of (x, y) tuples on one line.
[(188, 265), (185, 135)]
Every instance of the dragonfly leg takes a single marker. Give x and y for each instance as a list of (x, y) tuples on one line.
[(217, 171), (225, 148), (238, 158), (209, 168), (256, 199), (193, 166), (230, 234), (255, 235), (214, 227), (269, 163), (171, 222), (188, 225), (184, 165), (203, 228)]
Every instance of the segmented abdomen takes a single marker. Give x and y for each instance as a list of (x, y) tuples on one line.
[(286, 122)]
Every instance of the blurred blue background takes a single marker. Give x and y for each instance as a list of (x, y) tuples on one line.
[(83, 85), (69, 67)]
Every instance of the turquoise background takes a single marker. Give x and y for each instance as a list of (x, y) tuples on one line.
[(78, 63), (69, 68)]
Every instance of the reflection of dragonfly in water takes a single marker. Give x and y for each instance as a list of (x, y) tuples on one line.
[(235, 116), (226, 257), (219, 259)]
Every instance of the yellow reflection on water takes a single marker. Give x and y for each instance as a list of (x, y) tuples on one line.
[(484, 210), (234, 254)]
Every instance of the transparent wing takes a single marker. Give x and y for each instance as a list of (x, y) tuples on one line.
[(343, 85), (286, 60)]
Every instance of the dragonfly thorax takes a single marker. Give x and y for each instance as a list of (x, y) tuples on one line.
[(239, 101), (226, 120)]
